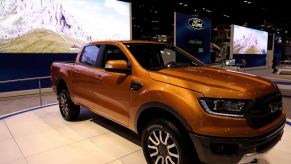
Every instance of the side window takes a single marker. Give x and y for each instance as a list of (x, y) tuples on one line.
[(90, 55), (168, 55), (113, 53)]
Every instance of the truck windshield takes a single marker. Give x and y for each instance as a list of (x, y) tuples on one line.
[(155, 57)]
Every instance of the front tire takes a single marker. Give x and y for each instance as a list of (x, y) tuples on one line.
[(164, 143), (68, 109)]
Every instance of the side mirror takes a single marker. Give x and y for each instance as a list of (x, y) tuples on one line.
[(119, 66)]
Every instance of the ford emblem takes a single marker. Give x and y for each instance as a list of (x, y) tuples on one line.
[(196, 23), (274, 107)]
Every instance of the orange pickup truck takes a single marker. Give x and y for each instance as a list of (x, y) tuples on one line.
[(184, 111)]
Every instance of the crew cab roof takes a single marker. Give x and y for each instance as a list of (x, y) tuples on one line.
[(123, 41)]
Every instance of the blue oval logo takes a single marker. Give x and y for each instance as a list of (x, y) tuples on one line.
[(196, 23)]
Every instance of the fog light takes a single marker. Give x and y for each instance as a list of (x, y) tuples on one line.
[(224, 149)]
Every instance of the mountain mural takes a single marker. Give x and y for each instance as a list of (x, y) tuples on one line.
[(249, 41), (21, 17), (41, 41), (249, 44)]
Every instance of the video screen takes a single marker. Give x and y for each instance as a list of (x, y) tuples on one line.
[(60, 26), (230, 62), (249, 41)]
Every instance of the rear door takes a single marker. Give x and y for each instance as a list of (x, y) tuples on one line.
[(86, 76)]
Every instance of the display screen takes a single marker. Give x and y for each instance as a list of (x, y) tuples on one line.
[(230, 62), (58, 26), (249, 41)]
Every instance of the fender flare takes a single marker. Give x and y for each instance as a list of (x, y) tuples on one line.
[(164, 107)]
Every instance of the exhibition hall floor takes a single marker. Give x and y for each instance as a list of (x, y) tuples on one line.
[(41, 136)]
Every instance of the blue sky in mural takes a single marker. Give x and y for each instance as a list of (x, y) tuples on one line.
[(103, 19)]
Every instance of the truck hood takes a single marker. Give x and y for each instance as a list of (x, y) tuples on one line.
[(216, 82)]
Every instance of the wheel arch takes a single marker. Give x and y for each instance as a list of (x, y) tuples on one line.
[(152, 110), (61, 84)]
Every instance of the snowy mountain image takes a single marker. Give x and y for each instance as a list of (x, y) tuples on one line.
[(249, 41), (21, 17), (60, 25)]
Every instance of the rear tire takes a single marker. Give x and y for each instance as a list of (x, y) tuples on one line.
[(163, 143), (68, 109)]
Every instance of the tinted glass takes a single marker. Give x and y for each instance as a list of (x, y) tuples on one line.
[(161, 56), (113, 53), (90, 55)]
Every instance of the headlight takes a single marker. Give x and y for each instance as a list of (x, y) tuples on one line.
[(224, 107)]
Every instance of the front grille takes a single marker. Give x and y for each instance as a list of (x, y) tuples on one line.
[(264, 110)]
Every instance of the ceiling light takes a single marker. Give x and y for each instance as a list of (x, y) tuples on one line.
[(180, 3), (209, 11), (248, 2), (186, 5)]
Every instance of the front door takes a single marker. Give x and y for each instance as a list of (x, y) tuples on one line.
[(115, 87)]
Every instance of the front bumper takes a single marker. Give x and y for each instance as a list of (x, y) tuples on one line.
[(233, 150)]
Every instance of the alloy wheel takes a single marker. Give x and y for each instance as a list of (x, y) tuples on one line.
[(64, 104), (162, 148)]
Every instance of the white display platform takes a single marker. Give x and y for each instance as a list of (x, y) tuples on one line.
[(42, 137)]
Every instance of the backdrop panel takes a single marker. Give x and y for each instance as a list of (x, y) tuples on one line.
[(193, 34)]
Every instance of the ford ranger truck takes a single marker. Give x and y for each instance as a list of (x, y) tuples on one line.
[(184, 111)]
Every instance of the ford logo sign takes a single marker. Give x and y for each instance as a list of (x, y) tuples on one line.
[(196, 23)]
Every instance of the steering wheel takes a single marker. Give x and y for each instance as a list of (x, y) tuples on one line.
[(170, 64)]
